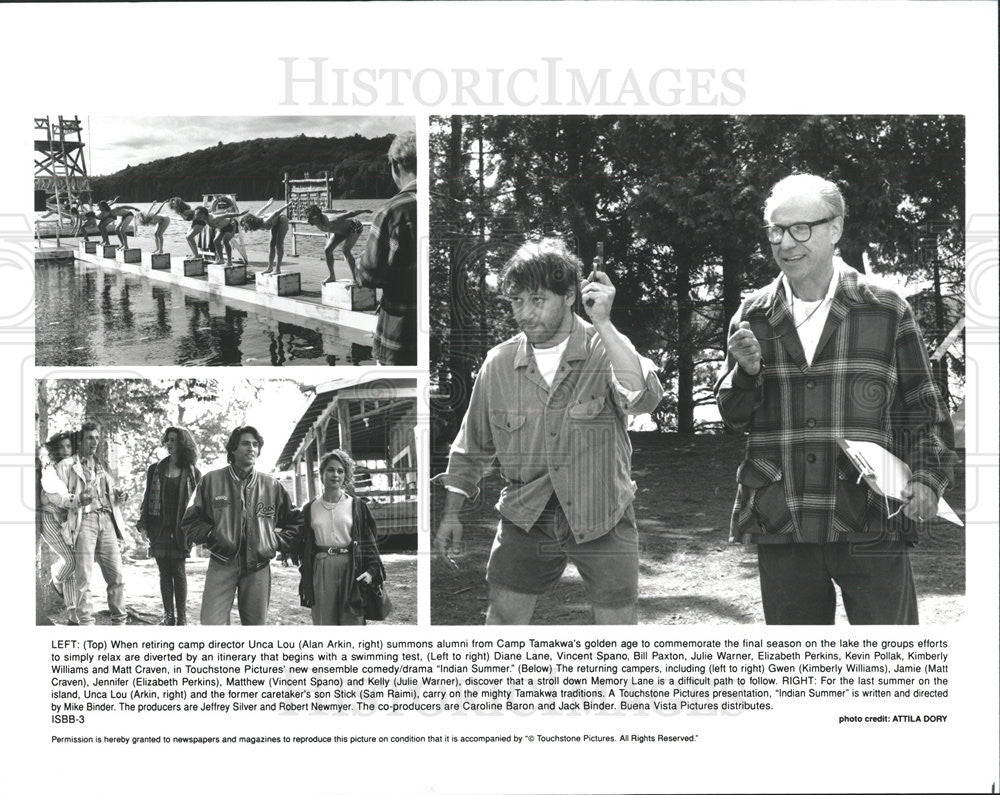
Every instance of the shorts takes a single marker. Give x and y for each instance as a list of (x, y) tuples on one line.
[(357, 227), (532, 562)]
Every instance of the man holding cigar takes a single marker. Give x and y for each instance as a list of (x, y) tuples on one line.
[(551, 405), (820, 354)]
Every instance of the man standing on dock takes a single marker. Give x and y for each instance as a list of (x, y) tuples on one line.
[(389, 260), (236, 512)]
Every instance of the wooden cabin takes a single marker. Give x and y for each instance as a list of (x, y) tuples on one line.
[(372, 419)]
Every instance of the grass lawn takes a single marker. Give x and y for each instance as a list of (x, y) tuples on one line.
[(688, 571)]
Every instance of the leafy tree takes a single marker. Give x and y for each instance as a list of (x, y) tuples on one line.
[(677, 202), (255, 169)]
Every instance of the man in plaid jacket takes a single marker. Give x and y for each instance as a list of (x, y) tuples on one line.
[(389, 260), (820, 354)]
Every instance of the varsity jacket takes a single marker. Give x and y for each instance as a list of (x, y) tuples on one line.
[(228, 515)]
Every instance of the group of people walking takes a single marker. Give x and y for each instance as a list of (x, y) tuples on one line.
[(242, 516)]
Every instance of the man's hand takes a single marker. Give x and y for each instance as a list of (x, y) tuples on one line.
[(448, 540), (921, 502), (598, 294), (364, 577), (745, 349)]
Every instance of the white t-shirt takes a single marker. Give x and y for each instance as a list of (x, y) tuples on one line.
[(548, 359), (810, 317)]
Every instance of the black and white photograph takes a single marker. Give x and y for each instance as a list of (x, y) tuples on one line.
[(618, 382), (215, 240), (715, 363), (143, 487)]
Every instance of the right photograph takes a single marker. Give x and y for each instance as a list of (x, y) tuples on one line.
[(697, 369)]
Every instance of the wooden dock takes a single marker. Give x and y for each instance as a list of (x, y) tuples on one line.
[(299, 293)]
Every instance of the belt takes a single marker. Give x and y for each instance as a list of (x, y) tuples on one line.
[(89, 511), (332, 550)]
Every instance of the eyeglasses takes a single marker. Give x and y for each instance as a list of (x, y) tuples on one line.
[(800, 232)]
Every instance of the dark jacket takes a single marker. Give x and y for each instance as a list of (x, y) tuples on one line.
[(225, 508), (389, 260), (166, 542), (364, 550)]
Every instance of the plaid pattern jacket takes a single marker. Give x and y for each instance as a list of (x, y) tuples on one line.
[(389, 261), (869, 381)]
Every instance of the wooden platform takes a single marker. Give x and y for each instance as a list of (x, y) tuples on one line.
[(307, 305)]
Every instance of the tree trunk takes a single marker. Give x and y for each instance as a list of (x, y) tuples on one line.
[(460, 320), (852, 251), (733, 265), (41, 411), (940, 367), (685, 355)]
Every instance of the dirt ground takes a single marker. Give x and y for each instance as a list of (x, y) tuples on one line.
[(143, 604), (688, 571)]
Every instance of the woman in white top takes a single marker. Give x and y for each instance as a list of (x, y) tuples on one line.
[(338, 547)]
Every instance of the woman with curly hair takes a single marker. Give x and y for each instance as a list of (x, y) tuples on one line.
[(58, 446), (277, 224), (342, 229), (151, 217), (169, 486), (338, 547)]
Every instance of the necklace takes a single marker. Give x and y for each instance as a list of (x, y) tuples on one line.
[(331, 505), (815, 309), (801, 323)]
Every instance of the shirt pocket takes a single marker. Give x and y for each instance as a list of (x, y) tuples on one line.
[(508, 428), (586, 409), (762, 497)]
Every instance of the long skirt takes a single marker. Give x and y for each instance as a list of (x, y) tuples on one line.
[(332, 587)]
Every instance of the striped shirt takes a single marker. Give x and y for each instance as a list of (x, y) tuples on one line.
[(869, 380)]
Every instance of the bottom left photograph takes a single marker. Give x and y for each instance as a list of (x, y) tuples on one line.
[(251, 501)]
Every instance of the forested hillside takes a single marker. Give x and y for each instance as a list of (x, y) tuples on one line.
[(254, 170)]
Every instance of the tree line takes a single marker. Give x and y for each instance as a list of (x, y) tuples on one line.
[(134, 413), (255, 169), (677, 203)]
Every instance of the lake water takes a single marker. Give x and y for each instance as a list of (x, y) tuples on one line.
[(87, 316)]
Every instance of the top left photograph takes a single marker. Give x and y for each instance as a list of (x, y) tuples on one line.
[(225, 240)]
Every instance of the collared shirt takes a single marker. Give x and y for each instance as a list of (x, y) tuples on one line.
[(568, 438), (97, 480), (869, 380)]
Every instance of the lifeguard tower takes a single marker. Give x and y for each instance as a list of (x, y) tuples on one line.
[(61, 181)]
